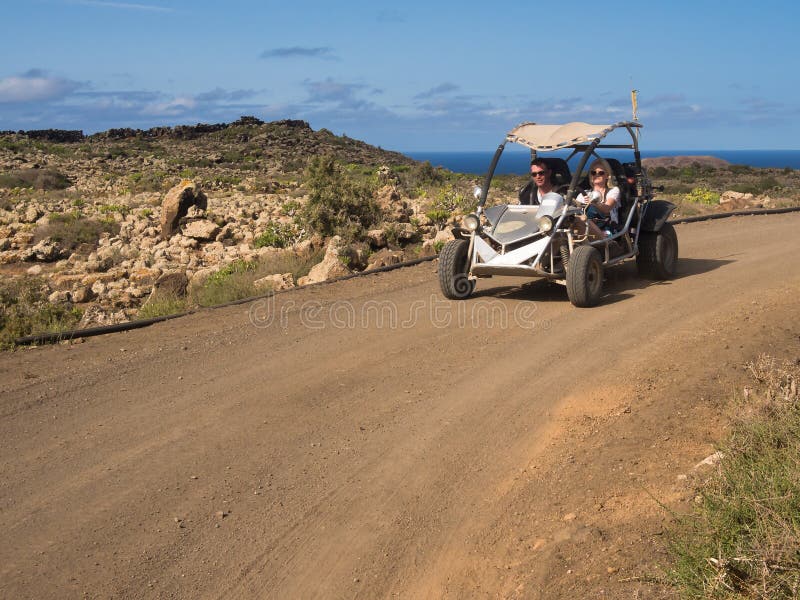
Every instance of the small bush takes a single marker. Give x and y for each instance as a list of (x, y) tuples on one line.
[(702, 196), (449, 200), (230, 283), (40, 179), (162, 304), (153, 181), (290, 208), (740, 169), (72, 229), (338, 204), (114, 208), (277, 235), (438, 215), (24, 310), (288, 262), (659, 172)]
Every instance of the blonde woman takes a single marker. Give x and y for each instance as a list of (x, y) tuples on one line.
[(603, 210)]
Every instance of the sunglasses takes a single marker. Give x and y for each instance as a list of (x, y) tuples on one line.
[(596, 173), (538, 173)]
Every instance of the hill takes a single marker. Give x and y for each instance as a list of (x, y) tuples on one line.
[(128, 223)]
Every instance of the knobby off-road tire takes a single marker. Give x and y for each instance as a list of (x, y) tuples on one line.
[(658, 253), (453, 266), (584, 277)]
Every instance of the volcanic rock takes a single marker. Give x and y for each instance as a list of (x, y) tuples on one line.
[(176, 205)]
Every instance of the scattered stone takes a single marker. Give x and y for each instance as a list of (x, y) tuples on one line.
[(330, 267), (201, 230), (377, 238), (385, 258), (59, 297), (710, 461), (569, 517), (277, 282), (428, 248), (31, 215), (444, 236), (47, 250), (736, 200), (34, 270), (95, 315), (173, 284), (221, 514)]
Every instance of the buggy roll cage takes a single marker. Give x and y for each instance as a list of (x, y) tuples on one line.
[(587, 140)]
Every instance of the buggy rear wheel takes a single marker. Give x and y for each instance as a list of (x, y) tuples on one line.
[(453, 269), (584, 277), (658, 253)]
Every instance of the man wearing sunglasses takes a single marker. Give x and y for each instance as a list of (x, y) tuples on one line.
[(540, 175)]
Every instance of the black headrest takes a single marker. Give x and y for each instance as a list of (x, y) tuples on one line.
[(559, 169)]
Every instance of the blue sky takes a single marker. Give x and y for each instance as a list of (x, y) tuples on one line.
[(409, 75)]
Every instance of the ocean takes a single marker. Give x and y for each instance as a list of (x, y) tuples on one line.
[(515, 161)]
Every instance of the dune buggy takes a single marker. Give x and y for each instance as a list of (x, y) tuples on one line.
[(551, 239)]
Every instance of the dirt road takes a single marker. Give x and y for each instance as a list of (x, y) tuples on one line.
[(370, 439)]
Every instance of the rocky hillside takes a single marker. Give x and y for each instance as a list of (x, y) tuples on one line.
[(127, 224)]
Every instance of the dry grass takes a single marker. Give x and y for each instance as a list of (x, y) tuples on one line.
[(744, 539)]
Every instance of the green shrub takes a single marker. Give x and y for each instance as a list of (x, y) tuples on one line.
[(288, 262), (763, 185), (40, 179), (449, 200), (689, 174), (290, 208), (702, 196), (743, 540), (152, 181), (114, 208), (72, 229), (233, 282), (24, 310), (659, 172), (277, 235), (438, 215), (162, 304), (338, 204)]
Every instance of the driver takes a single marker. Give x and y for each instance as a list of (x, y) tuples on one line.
[(540, 183)]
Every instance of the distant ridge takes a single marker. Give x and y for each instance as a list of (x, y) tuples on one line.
[(684, 161), (282, 143)]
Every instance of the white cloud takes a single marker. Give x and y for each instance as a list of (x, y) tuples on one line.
[(124, 5), (170, 108), (35, 86)]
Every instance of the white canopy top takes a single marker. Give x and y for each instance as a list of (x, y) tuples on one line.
[(552, 137)]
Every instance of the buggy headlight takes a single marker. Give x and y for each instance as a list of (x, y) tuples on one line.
[(471, 222), (545, 223)]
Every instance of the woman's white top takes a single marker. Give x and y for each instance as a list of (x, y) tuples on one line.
[(612, 194)]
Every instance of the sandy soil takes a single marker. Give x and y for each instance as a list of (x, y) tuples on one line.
[(370, 439)]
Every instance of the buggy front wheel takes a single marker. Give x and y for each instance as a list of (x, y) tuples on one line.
[(453, 270), (584, 277)]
